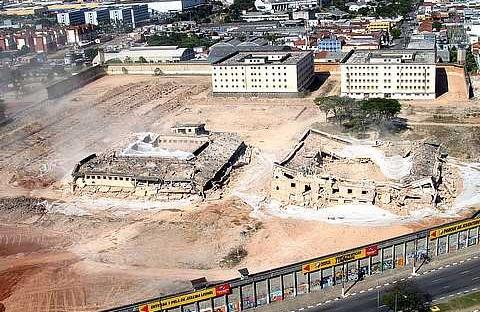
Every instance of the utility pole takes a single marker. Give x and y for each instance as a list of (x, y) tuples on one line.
[(378, 296), (343, 280), (396, 297)]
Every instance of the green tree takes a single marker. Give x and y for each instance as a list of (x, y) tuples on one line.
[(396, 33), (16, 79), (437, 25), (470, 64), (379, 109), (141, 59), (90, 53), (453, 55), (128, 59), (405, 297), (2, 109), (114, 61)]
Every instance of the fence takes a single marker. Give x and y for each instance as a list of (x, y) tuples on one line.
[(316, 274)]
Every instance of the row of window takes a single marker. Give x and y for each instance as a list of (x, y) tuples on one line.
[(107, 178), (389, 80), (388, 74), (387, 67), (381, 94), (252, 86), (388, 87)]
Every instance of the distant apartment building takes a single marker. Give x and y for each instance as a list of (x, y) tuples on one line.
[(121, 16), (285, 5), (74, 17), (169, 6), (258, 72), (397, 74), (97, 17), (81, 33), (154, 54), (380, 25), (329, 45)]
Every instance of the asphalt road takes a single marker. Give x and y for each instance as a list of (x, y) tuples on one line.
[(440, 283)]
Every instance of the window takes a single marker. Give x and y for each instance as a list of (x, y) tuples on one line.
[(349, 191), (292, 184)]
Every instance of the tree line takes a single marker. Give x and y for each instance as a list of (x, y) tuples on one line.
[(358, 115)]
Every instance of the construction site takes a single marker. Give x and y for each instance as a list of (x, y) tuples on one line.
[(109, 243), (325, 170)]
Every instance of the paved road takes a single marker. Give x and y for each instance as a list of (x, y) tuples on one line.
[(439, 284)]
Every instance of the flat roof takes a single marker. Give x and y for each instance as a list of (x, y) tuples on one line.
[(291, 57), (366, 56)]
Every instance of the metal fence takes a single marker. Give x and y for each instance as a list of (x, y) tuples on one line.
[(316, 274)]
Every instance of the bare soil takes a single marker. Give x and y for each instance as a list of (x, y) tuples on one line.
[(97, 253)]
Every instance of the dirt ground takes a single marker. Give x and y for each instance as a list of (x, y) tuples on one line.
[(85, 254)]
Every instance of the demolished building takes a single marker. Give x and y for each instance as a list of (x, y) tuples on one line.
[(190, 161), (323, 170)]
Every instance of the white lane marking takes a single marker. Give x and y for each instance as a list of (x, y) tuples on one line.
[(394, 282), (441, 298), (465, 272), (440, 268), (409, 277), (473, 289), (362, 291), (468, 259), (402, 279), (447, 266), (301, 309), (319, 304), (433, 270), (436, 280), (310, 306), (371, 288), (328, 301), (378, 286), (336, 299), (353, 294), (455, 263), (386, 284), (451, 295), (459, 293), (475, 278), (466, 291), (475, 257)]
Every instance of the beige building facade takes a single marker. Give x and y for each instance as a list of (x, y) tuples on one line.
[(396, 74), (263, 72)]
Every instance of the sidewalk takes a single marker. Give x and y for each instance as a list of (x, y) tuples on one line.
[(376, 281)]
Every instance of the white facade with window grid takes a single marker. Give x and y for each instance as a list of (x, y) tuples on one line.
[(263, 72), (397, 74)]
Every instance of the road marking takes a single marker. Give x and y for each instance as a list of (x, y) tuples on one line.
[(432, 270), (402, 279), (451, 295), (459, 293), (386, 284), (440, 268), (476, 257), (394, 282), (455, 263), (462, 261), (409, 277), (447, 266), (319, 304), (328, 301), (310, 306), (475, 278), (441, 298), (362, 291), (436, 280), (466, 291), (336, 299), (378, 286), (473, 289), (465, 272), (371, 288), (468, 259), (301, 309)]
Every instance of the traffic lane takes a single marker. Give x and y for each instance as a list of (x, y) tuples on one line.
[(439, 283)]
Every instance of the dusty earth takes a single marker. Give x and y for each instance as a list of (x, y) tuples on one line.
[(84, 254)]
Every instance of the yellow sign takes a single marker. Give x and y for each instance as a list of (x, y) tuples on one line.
[(465, 225), (329, 262), (173, 302)]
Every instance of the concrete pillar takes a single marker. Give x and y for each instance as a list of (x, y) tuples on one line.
[(268, 291), (394, 257), (370, 265), (226, 301), (282, 286), (240, 292), (254, 286), (381, 260), (308, 282), (448, 244), (295, 284), (334, 276), (321, 278), (437, 246), (458, 239), (212, 304)]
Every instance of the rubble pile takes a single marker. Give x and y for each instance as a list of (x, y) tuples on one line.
[(23, 205)]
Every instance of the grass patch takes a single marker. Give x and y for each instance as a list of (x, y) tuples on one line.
[(462, 302)]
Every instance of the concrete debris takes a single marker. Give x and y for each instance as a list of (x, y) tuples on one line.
[(23, 205), (324, 170), (168, 167)]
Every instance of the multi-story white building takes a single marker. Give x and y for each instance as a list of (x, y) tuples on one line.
[(285, 72), (396, 74), (285, 5), (97, 17)]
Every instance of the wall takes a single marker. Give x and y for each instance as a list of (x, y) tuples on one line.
[(405, 252), (187, 68), (67, 85), (457, 82)]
